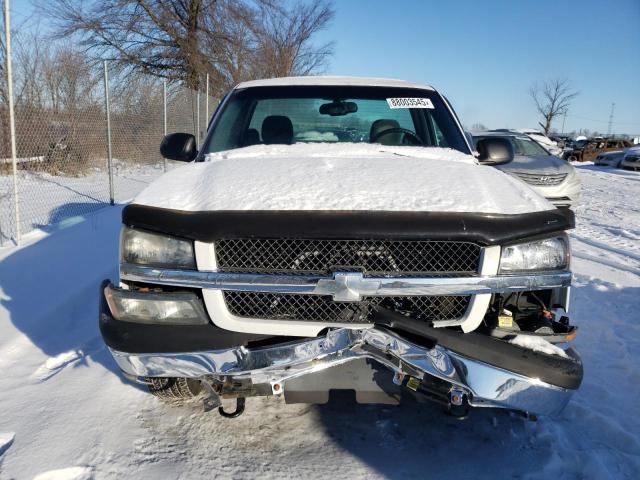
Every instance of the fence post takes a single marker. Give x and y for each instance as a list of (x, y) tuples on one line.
[(108, 117), (198, 114), (12, 120), (206, 104), (164, 118)]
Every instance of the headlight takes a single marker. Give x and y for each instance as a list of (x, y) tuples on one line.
[(549, 254), (146, 248), (180, 308)]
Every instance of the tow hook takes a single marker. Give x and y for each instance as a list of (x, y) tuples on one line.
[(458, 403), (212, 400), (237, 412)]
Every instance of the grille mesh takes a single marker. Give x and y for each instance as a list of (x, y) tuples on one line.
[(542, 180), (275, 306), (372, 257)]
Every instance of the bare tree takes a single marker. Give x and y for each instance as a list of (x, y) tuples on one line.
[(284, 38), (68, 80), (231, 40), (552, 99), (28, 59)]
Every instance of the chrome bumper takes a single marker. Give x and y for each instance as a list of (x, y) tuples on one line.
[(484, 385), (346, 286)]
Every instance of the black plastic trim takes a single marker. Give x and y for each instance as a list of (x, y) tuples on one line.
[(552, 369), (483, 228)]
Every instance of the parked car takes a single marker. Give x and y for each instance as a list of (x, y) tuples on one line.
[(585, 150), (610, 159), (551, 176), (539, 136), (547, 143), (631, 160), (394, 265), (561, 141)]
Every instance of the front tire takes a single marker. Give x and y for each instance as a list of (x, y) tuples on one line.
[(174, 389)]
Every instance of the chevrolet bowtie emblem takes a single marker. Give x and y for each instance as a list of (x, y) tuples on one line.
[(346, 287)]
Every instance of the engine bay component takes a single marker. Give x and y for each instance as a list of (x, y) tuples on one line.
[(526, 313)]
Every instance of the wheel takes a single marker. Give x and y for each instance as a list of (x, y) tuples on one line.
[(174, 389)]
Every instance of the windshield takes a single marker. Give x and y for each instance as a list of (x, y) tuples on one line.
[(347, 114), (526, 146)]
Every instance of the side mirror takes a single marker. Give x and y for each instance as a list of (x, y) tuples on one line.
[(494, 150), (179, 146)]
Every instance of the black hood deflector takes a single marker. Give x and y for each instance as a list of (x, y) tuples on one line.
[(482, 228)]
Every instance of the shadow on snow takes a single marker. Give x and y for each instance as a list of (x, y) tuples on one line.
[(50, 287)]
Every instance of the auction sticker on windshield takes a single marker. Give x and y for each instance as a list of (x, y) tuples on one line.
[(409, 103)]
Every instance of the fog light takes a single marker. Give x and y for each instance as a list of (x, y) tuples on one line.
[(180, 308)]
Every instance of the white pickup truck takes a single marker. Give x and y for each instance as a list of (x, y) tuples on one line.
[(336, 233)]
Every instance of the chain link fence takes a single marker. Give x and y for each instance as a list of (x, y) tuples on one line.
[(62, 165)]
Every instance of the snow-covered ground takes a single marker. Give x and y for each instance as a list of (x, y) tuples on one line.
[(47, 201), (65, 413)]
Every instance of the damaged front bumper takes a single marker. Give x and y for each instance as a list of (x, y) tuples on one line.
[(537, 383)]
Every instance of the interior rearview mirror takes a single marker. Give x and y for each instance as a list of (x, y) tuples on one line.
[(494, 150), (179, 146), (338, 108)]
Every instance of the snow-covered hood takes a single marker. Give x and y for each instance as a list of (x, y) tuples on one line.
[(542, 164), (341, 177)]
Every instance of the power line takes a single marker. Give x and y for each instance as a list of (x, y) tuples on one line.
[(603, 121)]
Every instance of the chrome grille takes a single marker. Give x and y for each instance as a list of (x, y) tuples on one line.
[(542, 180), (276, 306), (372, 257)]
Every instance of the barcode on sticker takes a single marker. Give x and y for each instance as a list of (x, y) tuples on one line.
[(409, 103)]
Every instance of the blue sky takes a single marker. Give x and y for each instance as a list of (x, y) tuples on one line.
[(485, 55)]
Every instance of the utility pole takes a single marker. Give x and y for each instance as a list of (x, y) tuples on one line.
[(613, 106), (564, 119)]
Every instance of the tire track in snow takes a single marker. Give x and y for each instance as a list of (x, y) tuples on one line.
[(608, 242)]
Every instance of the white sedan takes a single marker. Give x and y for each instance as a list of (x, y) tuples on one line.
[(552, 177)]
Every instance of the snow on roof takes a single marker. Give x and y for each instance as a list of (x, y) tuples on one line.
[(528, 130), (333, 81)]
